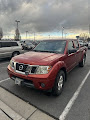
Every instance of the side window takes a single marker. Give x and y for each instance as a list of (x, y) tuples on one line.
[(14, 44), (70, 45), (0, 44), (71, 48), (76, 44), (6, 44)]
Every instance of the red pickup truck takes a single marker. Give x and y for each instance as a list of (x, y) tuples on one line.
[(47, 65)]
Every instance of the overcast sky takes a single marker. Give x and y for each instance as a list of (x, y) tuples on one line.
[(44, 16)]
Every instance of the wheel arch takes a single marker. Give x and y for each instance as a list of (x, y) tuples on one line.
[(61, 66), (15, 52), (83, 54), (64, 69)]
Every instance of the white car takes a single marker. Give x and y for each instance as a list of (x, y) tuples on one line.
[(89, 45), (10, 49), (29, 46), (81, 43)]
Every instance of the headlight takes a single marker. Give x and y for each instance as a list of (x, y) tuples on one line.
[(38, 69), (12, 63), (43, 69)]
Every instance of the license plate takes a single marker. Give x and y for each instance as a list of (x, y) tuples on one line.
[(18, 81)]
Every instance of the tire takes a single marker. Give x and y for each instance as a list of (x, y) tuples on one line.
[(15, 54), (82, 63), (59, 83)]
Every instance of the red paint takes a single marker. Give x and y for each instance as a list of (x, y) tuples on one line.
[(57, 61)]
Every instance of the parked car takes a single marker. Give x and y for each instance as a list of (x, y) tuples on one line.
[(86, 44), (36, 42), (81, 43), (22, 41), (89, 45), (46, 67), (29, 46), (10, 49)]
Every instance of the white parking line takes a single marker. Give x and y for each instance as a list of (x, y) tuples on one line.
[(72, 100), (4, 80)]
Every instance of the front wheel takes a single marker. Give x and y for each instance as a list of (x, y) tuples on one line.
[(59, 83), (15, 54)]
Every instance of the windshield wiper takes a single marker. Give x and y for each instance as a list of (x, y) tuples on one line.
[(36, 50), (46, 51), (41, 51)]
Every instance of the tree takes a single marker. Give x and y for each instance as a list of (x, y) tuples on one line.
[(84, 36), (1, 33)]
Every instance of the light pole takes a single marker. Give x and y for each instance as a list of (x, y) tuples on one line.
[(89, 29), (17, 21), (62, 31), (17, 36), (29, 36), (8, 37), (26, 34), (65, 35), (34, 36), (49, 37)]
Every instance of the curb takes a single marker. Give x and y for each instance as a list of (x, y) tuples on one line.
[(17, 109)]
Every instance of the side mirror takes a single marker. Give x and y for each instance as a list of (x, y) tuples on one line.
[(72, 51)]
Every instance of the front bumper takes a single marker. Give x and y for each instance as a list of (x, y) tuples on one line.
[(43, 82)]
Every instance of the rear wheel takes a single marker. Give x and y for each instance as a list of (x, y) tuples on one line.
[(82, 63), (59, 83)]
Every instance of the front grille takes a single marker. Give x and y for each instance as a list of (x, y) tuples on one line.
[(21, 67)]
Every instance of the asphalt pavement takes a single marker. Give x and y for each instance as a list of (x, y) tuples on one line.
[(14, 108), (79, 105)]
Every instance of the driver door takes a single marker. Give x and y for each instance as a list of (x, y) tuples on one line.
[(71, 57)]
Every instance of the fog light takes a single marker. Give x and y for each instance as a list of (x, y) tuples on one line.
[(42, 85)]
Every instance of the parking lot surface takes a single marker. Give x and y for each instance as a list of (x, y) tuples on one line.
[(79, 109)]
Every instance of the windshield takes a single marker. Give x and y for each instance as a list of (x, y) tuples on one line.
[(51, 46)]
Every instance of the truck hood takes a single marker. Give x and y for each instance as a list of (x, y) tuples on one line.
[(37, 58)]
